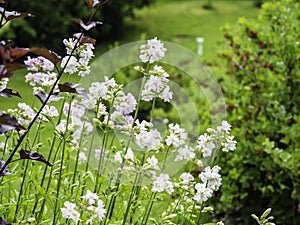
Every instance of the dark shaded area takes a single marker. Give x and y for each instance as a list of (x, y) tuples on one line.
[(52, 21)]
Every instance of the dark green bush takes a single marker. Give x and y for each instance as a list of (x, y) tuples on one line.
[(52, 21), (263, 98)]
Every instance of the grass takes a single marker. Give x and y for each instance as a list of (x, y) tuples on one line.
[(182, 21)]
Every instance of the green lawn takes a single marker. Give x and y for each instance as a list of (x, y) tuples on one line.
[(181, 21)]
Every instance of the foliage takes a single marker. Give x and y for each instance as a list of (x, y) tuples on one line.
[(264, 106), (52, 21)]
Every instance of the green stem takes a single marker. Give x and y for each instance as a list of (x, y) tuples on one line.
[(48, 185), (20, 192), (152, 110), (62, 162), (149, 208)]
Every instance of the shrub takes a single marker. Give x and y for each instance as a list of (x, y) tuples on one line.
[(263, 59)]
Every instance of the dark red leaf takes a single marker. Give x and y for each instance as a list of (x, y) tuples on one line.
[(71, 88), (17, 53), (50, 55), (24, 154), (14, 66), (4, 53), (90, 3), (42, 96), (88, 40), (8, 123), (9, 92), (87, 26), (17, 15)]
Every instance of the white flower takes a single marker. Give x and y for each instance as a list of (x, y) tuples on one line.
[(153, 51), (3, 83), (98, 90), (167, 94), (72, 65), (100, 211), (95, 2), (118, 157), (50, 111), (177, 136), (129, 155), (125, 104), (186, 179), (230, 144), (202, 193), (162, 183), (69, 212), (77, 110), (211, 177), (70, 44), (27, 113), (41, 78), (148, 139), (205, 144), (184, 153), (38, 64), (61, 127), (2, 144), (89, 102), (90, 197), (157, 85), (82, 157), (226, 127), (153, 162)]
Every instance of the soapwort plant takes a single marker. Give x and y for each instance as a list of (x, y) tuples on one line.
[(76, 155)]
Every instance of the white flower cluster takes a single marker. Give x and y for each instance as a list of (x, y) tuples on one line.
[(162, 183), (209, 141), (78, 57), (157, 85), (153, 51), (40, 71), (200, 191), (177, 138), (26, 114), (95, 212), (146, 136)]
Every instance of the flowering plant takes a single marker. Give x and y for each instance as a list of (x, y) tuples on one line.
[(105, 163)]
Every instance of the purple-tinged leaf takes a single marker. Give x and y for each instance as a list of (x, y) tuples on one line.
[(8, 93), (84, 39), (14, 66), (87, 26), (4, 53), (42, 96), (4, 222), (4, 173), (8, 123), (48, 54), (24, 154), (71, 88)]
